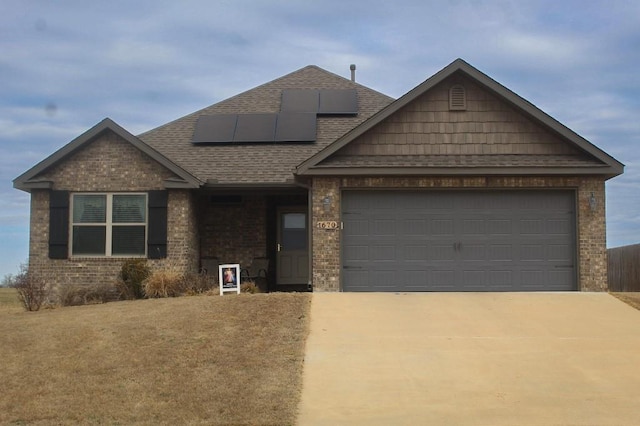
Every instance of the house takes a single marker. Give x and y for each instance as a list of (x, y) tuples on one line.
[(459, 185)]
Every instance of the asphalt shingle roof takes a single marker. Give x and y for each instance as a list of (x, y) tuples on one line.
[(260, 163)]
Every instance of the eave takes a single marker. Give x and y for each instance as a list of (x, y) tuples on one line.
[(612, 166), (462, 171), (28, 180)]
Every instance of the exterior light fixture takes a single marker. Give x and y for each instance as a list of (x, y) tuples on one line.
[(326, 203), (593, 203)]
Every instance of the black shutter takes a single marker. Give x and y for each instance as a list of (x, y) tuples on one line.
[(157, 239), (59, 224)]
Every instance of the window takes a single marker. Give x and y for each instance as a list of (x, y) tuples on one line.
[(109, 225)]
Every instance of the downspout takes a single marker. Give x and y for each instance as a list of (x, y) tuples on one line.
[(309, 230)]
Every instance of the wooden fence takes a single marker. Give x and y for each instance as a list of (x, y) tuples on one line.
[(624, 268)]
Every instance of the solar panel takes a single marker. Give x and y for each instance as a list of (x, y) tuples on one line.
[(296, 127), (255, 128), (300, 100), (218, 128), (338, 101)]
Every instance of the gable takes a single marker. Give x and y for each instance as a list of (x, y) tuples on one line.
[(107, 163), (99, 155), (492, 131), (488, 126)]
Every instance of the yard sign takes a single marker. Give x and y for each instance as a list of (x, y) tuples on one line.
[(229, 278)]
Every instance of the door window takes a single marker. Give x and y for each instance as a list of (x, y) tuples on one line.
[(294, 231)]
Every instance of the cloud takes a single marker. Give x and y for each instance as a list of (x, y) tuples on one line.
[(64, 67)]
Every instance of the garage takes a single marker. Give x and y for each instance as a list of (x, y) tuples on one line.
[(508, 240)]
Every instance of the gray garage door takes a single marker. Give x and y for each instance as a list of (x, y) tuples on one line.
[(458, 241)]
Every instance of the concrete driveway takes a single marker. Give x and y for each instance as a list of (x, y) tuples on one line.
[(471, 359)]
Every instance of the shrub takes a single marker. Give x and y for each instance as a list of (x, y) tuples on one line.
[(132, 275), (197, 283), (249, 287), (163, 283), (32, 290), (75, 294)]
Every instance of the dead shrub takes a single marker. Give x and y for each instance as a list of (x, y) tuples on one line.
[(193, 284), (32, 290), (249, 287), (77, 294), (132, 275), (163, 283)]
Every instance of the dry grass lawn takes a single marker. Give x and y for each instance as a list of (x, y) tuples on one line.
[(189, 360), (9, 300), (630, 298)]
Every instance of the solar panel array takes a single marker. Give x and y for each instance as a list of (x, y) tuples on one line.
[(320, 101), (296, 121), (255, 128)]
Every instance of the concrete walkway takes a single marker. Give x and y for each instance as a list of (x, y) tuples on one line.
[(471, 359)]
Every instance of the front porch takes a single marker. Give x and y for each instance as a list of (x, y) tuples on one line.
[(240, 225)]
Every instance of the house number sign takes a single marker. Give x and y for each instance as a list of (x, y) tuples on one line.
[(327, 224)]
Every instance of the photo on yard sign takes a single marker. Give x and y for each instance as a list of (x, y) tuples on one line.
[(229, 277)]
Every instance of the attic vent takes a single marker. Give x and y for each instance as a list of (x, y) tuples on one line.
[(457, 98)]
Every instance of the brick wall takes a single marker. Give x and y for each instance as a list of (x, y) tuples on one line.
[(591, 236), (109, 164), (233, 233)]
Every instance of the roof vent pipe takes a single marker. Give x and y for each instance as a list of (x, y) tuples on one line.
[(353, 72)]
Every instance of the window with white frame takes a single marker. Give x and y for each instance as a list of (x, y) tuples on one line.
[(109, 224)]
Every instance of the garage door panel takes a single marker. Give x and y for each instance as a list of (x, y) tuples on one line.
[(530, 252), (531, 226), (415, 227), (383, 253), (500, 252), (499, 226), (560, 253), (474, 227), (415, 280), (356, 253), (500, 279), (472, 252), (442, 227), (418, 253), (441, 253), (357, 227), (443, 280), (458, 241), (556, 226), (381, 227)]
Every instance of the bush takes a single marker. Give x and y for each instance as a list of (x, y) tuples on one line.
[(32, 291), (163, 283), (249, 287), (197, 283), (132, 276), (75, 295)]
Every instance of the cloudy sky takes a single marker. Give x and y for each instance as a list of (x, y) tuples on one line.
[(66, 65)]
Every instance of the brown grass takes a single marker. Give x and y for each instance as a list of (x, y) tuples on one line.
[(632, 299), (9, 300), (235, 359)]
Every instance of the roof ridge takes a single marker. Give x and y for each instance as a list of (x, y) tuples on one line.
[(273, 81)]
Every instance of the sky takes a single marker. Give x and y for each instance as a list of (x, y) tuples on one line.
[(66, 65)]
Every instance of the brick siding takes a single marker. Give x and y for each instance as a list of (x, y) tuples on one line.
[(233, 233), (109, 164)]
